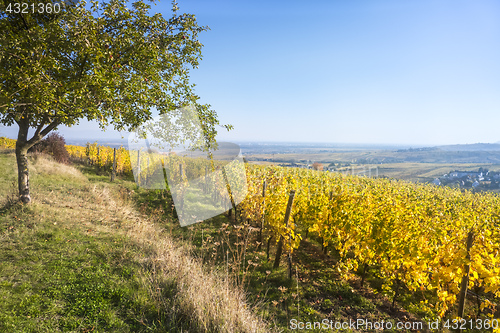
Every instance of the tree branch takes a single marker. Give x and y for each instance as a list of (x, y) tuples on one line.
[(40, 127), (82, 67), (70, 59), (16, 104), (41, 133), (49, 128), (14, 93), (24, 21)]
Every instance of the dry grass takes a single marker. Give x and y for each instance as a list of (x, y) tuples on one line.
[(44, 164), (201, 300), (207, 299)]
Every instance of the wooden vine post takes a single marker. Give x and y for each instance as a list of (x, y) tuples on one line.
[(264, 185), (290, 257), (87, 152), (325, 247), (138, 167), (113, 172), (465, 278), (147, 170), (98, 158), (164, 191), (206, 179), (269, 245), (181, 181), (279, 250), (233, 204)]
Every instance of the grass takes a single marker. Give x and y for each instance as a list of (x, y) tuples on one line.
[(80, 258)]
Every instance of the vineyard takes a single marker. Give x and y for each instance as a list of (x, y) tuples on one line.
[(199, 185), (102, 157), (418, 237), (7, 143)]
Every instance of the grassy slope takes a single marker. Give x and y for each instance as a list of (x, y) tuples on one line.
[(80, 258)]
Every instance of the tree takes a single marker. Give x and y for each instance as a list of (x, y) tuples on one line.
[(55, 145), (99, 61), (317, 166)]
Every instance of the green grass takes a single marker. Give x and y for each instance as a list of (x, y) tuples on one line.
[(57, 272), (80, 258), (56, 281)]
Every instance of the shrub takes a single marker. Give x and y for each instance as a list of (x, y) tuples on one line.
[(54, 145), (317, 166)]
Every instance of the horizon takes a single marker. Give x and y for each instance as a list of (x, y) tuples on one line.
[(115, 140)]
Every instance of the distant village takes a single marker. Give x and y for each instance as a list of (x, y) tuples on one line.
[(344, 167), (308, 165), (480, 179)]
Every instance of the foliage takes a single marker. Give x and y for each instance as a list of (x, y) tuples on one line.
[(317, 166), (54, 145), (414, 235), (102, 61), (7, 143)]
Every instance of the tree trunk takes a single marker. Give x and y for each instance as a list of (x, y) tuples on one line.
[(22, 146), (22, 163), (23, 175)]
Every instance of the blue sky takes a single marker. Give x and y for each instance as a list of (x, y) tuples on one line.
[(380, 71)]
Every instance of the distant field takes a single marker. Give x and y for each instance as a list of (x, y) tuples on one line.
[(381, 156), (426, 172)]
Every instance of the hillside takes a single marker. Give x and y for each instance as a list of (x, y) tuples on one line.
[(82, 259), (472, 147), (90, 255)]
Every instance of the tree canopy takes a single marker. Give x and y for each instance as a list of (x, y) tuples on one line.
[(110, 61)]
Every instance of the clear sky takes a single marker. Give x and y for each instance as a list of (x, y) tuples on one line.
[(366, 71)]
